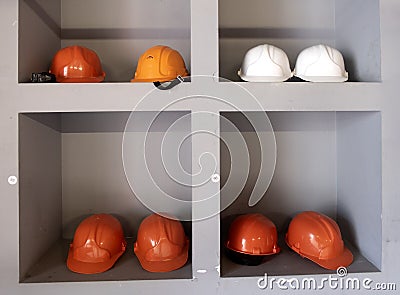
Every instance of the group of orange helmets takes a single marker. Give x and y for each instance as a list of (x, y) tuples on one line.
[(312, 235), (78, 64), (162, 246)]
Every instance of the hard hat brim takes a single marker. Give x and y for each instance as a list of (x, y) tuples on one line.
[(252, 254), (271, 79), (323, 79), (158, 79), (81, 80), (164, 266), (150, 80), (90, 268), (345, 259)]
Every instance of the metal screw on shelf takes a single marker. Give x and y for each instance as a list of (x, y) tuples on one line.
[(12, 180), (215, 178)]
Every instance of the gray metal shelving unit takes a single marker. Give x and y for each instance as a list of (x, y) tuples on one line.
[(63, 145)]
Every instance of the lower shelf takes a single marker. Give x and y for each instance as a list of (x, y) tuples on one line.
[(52, 268), (289, 263)]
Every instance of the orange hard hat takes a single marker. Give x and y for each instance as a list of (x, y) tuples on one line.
[(317, 237), (97, 245), (161, 244), (77, 64), (253, 234), (160, 64)]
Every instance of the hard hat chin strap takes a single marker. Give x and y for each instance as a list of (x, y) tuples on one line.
[(170, 84)]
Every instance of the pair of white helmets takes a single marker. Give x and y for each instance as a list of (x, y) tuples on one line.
[(268, 63)]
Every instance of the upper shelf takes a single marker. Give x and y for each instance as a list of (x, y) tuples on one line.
[(351, 96), (351, 26), (119, 32)]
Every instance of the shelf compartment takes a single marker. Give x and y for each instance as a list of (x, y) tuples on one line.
[(294, 26), (326, 161), (119, 33), (71, 166)]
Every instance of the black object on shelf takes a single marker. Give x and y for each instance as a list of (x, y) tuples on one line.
[(43, 77), (245, 259)]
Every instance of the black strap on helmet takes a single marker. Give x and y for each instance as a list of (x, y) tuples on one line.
[(170, 84)]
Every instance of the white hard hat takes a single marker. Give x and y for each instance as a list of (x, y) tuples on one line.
[(321, 63), (265, 63)]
